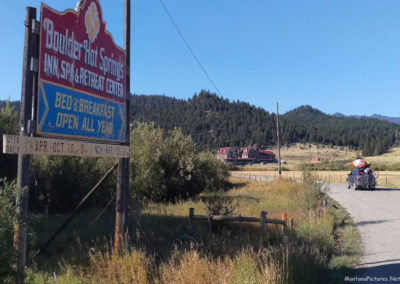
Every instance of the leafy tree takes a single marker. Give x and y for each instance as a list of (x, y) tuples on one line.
[(179, 160), (213, 173), (146, 173), (8, 125), (166, 169)]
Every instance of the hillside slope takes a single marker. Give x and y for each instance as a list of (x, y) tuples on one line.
[(214, 122)]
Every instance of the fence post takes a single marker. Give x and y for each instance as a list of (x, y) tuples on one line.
[(291, 224), (138, 213), (284, 219), (240, 227), (263, 228), (210, 223), (191, 214)]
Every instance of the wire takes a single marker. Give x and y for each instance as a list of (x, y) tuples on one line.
[(188, 47)]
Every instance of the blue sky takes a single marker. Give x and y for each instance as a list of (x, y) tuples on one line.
[(338, 56)]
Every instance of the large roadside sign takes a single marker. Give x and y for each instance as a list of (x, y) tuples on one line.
[(81, 77)]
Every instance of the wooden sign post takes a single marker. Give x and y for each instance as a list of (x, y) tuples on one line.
[(27, 90), (121, 216)]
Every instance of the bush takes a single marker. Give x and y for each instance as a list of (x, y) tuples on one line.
[(327, 166), (166, 169), (61, 182), (146, 172), (219, 204), (315, 192), (214, 174), (8, 125), (8, 192)]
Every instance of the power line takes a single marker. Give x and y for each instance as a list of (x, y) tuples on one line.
[(188, 47)]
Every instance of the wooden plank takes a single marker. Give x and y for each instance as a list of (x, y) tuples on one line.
[(236, 218), (14, 144), (275, 221)]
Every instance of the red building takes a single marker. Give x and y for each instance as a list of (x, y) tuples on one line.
[(248, 155), (226, 154)]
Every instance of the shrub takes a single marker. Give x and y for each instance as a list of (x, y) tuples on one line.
[(219, 204), (146, 173), (61, 182), (166, 169), (327, 166), (213, 173), (8, 125), (8, 192), (312, 197)]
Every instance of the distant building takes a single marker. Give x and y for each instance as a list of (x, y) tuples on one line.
[(248, 155), (226, 153), (265, 156)]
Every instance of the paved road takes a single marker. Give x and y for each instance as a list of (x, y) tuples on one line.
[(377, 216)]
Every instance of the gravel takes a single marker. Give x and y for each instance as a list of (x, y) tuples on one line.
[(377, 216)]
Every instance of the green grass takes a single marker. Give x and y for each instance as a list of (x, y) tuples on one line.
[(348, 247)]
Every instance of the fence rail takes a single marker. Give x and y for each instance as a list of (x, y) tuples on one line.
[(263, 220)]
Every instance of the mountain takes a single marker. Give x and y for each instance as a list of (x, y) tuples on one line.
[(304, 111), (215, 122), (338, 114), (387, 118), (377, 116)]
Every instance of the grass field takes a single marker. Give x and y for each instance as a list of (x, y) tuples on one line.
[(299, 154), (390, 159), (385, 178), (387, 165), (318, 249)]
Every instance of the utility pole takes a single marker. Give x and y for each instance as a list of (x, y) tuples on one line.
[(121, 216), (27, 92), (279, 143)]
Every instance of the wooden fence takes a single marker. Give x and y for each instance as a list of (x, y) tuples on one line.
[(263, 220)]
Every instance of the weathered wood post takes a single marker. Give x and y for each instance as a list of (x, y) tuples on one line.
[(263, 228), (291, 224), (28, 87), (240, 227), (191, 214), (121, 216)]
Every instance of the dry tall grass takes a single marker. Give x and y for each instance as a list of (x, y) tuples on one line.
[(299, 256)]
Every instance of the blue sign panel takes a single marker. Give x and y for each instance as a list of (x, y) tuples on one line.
[(65, 112)]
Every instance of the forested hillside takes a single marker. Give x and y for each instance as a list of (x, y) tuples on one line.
[(214, 122)]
